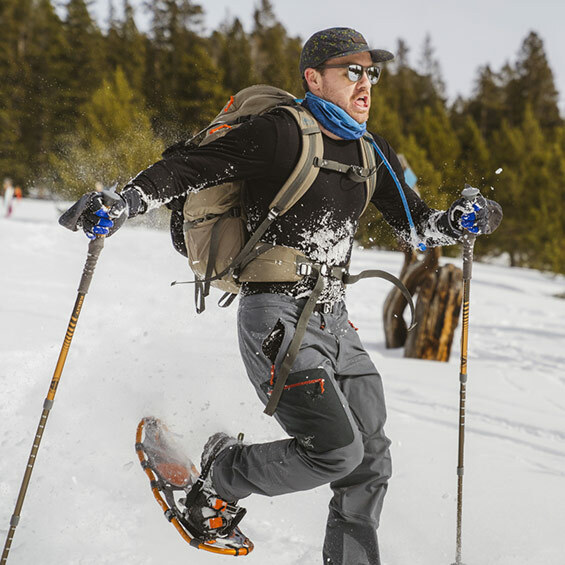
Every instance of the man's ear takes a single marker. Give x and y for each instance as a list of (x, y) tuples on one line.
[(313, 77)]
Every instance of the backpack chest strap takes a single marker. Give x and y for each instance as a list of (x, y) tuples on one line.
[(354, 172)]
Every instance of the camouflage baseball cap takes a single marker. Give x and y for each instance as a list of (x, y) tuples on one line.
[(337, 42)]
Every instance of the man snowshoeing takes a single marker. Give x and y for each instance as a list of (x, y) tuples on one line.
[(332, 406)]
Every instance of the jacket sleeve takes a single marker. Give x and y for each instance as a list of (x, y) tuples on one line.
[(245, 152), (431, 225)]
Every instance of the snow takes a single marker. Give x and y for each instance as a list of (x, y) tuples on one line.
[(139, 349)]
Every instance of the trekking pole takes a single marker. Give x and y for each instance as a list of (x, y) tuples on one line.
[(468, 243), (94, 249)]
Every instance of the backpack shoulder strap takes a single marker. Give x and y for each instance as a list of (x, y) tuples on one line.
[(304, 173), (370, 162)]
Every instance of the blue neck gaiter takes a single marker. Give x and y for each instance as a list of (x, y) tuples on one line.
[(333, 118)]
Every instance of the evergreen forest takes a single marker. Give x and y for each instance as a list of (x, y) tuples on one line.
[(81, 104)]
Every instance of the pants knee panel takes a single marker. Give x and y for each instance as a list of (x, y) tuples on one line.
[(348, 458)]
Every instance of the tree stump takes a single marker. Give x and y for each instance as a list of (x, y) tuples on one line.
[(439, 292), (437, 314), (412, 275)]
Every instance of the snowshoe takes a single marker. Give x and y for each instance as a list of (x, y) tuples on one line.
[(187, 499)]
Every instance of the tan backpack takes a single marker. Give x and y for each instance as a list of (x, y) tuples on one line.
[(220, 251)]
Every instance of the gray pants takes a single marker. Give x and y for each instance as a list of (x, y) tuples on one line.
[(333, 409)]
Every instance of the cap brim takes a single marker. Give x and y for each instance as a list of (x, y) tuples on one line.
[(377, 55), (381, 56)]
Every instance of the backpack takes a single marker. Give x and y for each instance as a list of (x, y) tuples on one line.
[(220, 251)]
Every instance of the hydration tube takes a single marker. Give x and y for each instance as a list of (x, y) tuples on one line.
[(414, 239)]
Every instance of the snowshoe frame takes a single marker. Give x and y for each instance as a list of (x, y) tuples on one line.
[(163, 491)]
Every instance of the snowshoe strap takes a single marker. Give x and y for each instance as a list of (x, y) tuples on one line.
[(193, 492)]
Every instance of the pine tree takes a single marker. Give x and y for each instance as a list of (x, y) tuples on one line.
[(85, 58), (125, 46), (431, 69), (433, 131), (408, 91), (487, 106), (533, 85), (234, 56), (14, 18), (45, 98), (384, 118), (542, 197), (183, 83), (276, 55), (531, 191), (114, 140), (474, 160)]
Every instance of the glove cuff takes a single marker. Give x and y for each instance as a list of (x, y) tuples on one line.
[(448, 226), (136, 205)]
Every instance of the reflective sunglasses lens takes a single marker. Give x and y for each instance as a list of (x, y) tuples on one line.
[(354, 72), (374, 74)]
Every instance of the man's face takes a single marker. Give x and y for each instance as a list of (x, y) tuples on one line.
[(334, 86)]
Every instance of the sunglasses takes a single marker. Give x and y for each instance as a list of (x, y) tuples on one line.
[(355, 71)]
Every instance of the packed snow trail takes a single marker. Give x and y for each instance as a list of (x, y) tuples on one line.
[(140, 348)]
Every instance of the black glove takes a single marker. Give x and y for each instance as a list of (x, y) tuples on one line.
[(478, 215), (99, 213)]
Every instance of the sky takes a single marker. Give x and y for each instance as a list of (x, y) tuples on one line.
[(465, 35)]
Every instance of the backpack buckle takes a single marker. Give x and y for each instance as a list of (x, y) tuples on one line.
[(360, 174), (304, 269)]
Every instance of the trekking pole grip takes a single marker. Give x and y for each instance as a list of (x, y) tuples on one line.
[(470, 193)]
